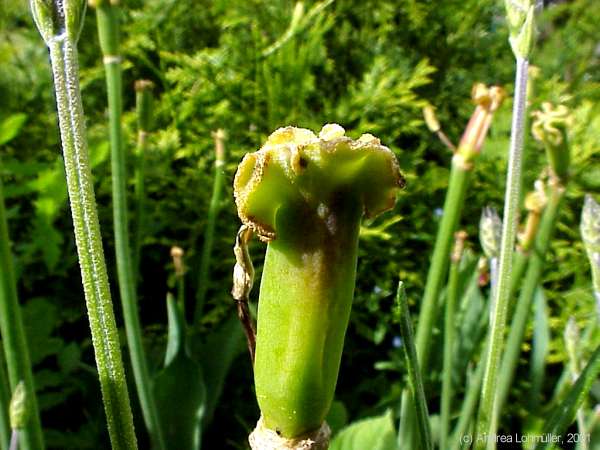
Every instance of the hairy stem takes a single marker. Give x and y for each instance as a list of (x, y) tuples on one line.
[(105, 337), (487, 417)]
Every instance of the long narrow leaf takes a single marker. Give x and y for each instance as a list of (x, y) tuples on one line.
[(415, 379), (564, 413)]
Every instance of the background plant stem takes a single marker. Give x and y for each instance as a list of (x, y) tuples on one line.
[(209, 232), (13, 338), (453, 205), (108, 30), (105, 337), (4, 386), (530, 283), (449, 333), (487, 417), (144, 113)]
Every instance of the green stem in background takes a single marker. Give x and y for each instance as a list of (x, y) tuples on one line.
[(4, 386), (412, 363), (177, 256), (449, 335), (14, 342), (487, 420), (305, 196), (564, 413), (488, 101), (108, 16), (143, 107), (469, 405), (59, 24), (209, 232), (572, 342), (524, 302)]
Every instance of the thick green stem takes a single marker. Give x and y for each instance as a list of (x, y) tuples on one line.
[(524, 302), (305, 300), (108, 30), (487, 422), (105, 337), (449, 333), (14, 342), (209, 232)]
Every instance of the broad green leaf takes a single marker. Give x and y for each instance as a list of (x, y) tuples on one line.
[(179, 388), (337, 416), (376, 433), (11, 126), (227, 342)]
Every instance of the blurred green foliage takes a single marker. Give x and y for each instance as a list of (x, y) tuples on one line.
[(250, 67)]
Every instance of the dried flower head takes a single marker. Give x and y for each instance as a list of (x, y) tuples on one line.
[(550, 127)]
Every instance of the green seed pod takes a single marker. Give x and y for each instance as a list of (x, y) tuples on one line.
[(590, 233), (490, 232), (305, 196), (550, 127)]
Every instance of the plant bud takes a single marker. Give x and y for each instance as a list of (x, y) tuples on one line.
[(490, 232), (520, 15), (177, 256), (430, 119), (56, 19), (590, 233), (19, 407)]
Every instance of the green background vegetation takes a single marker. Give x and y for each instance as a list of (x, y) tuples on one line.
[(250, 67)]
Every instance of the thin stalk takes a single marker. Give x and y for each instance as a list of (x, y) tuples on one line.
[(108, 30), (524, 302), (16, 350), (520, 261), (105, 337), (469, 406), (209, 232), (414, 372), (143, 102), (449, 334), (572, 342), (487, 417), (453, 205)]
